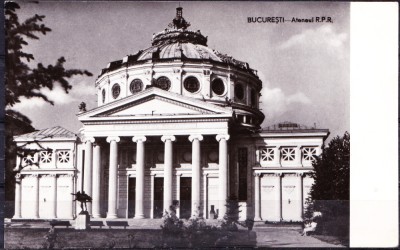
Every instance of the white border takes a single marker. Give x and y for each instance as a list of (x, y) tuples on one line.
[(374, 125)]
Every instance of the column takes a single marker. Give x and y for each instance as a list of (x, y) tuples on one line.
[(96, 181), (257, 205), (280, 175), (140, 163), (36, 200), (196, 171), (113, 177), (54, 205), (223, 173), (168, 162), (87, 174), (300, 184), (18, 183)]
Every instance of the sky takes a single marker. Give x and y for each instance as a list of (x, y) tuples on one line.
[(304, 67)]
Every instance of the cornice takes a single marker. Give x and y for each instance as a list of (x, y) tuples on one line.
[(189, 120)]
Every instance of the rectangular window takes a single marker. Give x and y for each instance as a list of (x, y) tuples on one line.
[(63, 156), (45, 156), (309, 153), (242, 162), (29, 159), (288, 154), (267, 154)]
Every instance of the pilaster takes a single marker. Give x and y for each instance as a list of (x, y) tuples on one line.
[(257, 205), (18, 193)]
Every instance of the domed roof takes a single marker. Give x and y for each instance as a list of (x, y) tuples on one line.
[(176, 42), (179, 50)]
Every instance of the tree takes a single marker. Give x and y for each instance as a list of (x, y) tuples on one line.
[(330, 192), (22, 79)]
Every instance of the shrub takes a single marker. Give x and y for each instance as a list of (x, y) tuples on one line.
[(231, 217)]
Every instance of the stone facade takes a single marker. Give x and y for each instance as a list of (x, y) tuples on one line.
[(175, 122)]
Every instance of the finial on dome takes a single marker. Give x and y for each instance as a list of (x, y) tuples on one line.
[(179, 22)]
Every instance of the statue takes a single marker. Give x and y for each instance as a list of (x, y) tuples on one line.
[(82, 107), (83, 198)]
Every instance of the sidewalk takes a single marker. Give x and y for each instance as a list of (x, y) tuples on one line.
[(287, 237)]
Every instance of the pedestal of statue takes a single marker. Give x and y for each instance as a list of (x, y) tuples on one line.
[(82, 221)]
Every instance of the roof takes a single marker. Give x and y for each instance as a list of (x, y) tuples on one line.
[(291, 127), (48, 133), (178, 43)]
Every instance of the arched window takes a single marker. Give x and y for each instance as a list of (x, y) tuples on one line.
[(136, 86), (253, 97), (239, 91), (163, 83), (218, 86), (191, 84), (116, 90), (103, 96)]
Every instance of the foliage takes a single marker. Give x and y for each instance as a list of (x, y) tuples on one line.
[(231, 217), (25, 80), (21, 79), (196, 233), (330, 192), (171, 223), (50, 239)]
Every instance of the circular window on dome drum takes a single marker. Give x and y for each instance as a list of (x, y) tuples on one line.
[(239, 91), (136, 86), (116, 90), (163, 83), (103, 95), (191, 84), (218, 86)]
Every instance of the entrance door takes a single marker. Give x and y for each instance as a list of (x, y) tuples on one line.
[(158, 197), (186, 197), (131, 197)]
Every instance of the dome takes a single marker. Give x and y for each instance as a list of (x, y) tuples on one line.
[(179, 61), (178, 43)]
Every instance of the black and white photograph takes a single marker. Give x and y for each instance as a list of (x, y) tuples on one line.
[(180, 125)]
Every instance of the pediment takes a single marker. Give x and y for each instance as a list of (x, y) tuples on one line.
[(154, 103), (156, 106)]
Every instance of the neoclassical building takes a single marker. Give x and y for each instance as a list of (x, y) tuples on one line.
[(177, 121)]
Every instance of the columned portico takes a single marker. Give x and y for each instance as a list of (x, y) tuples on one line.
[(96, 181), (196, 174), (168, 167), (113, 175), (223, 172), (88, 177), (140, 164)]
